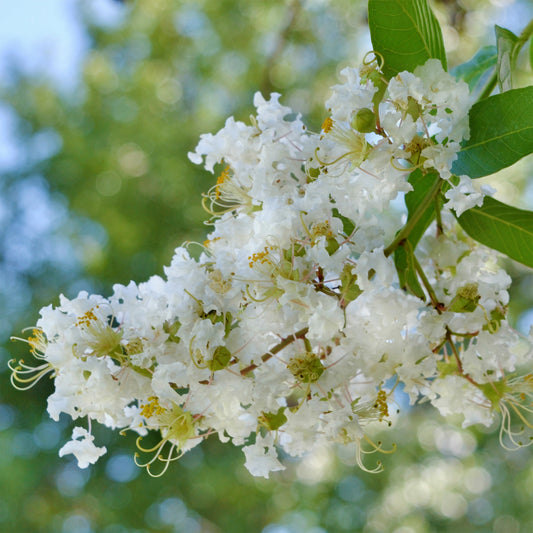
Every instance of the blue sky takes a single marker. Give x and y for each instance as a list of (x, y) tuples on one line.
[(47, 37), (41, 35), (44, 38), (37, 36)]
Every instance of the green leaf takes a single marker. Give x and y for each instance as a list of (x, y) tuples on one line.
[(506, 42), (501, 133), (349, 288), (332, 245), (476, 70), (501, 227), (405, 266), (273, 421), (423, 186), (348, 226), (406, 33), (142, 371)]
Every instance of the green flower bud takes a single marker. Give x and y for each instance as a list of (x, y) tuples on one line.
[(364, 121)]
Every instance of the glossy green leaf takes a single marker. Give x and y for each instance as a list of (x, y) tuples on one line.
[(506, 42), (501, 227), (501, 133), (476, 71), (406, 33)]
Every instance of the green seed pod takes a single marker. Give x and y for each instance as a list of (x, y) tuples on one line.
[(306, 368), (364, 121)]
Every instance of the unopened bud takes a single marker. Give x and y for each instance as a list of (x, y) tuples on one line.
[(364, 121)]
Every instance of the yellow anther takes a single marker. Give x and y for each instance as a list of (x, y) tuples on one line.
[(322, 229), (259, 256), (381, 405), (152, 408), (85, 319), (220, 180), (37, 342), (327, 125)]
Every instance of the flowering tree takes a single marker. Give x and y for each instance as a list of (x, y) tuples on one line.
[(313, 298)]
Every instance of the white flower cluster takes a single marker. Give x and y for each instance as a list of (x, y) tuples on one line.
[(292, 329)]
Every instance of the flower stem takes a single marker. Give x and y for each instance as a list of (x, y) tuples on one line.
[(524, 36), (457, 358), (427, 285)]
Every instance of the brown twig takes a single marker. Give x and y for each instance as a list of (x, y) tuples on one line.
[(284, 342)]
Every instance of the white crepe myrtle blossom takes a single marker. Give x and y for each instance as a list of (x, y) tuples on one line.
[(293, 328), (82, 447)]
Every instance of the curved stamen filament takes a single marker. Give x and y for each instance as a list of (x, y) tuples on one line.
[(340, 158), (254, 299), (157, 456), (505, 428), (37, 342), (378, 447), (192, 354), (375, 448), (405, 169), (27, 375), (157, 447), (226, 195)]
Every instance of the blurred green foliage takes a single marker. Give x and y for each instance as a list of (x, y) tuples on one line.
[(150, 87), (106, 192)]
